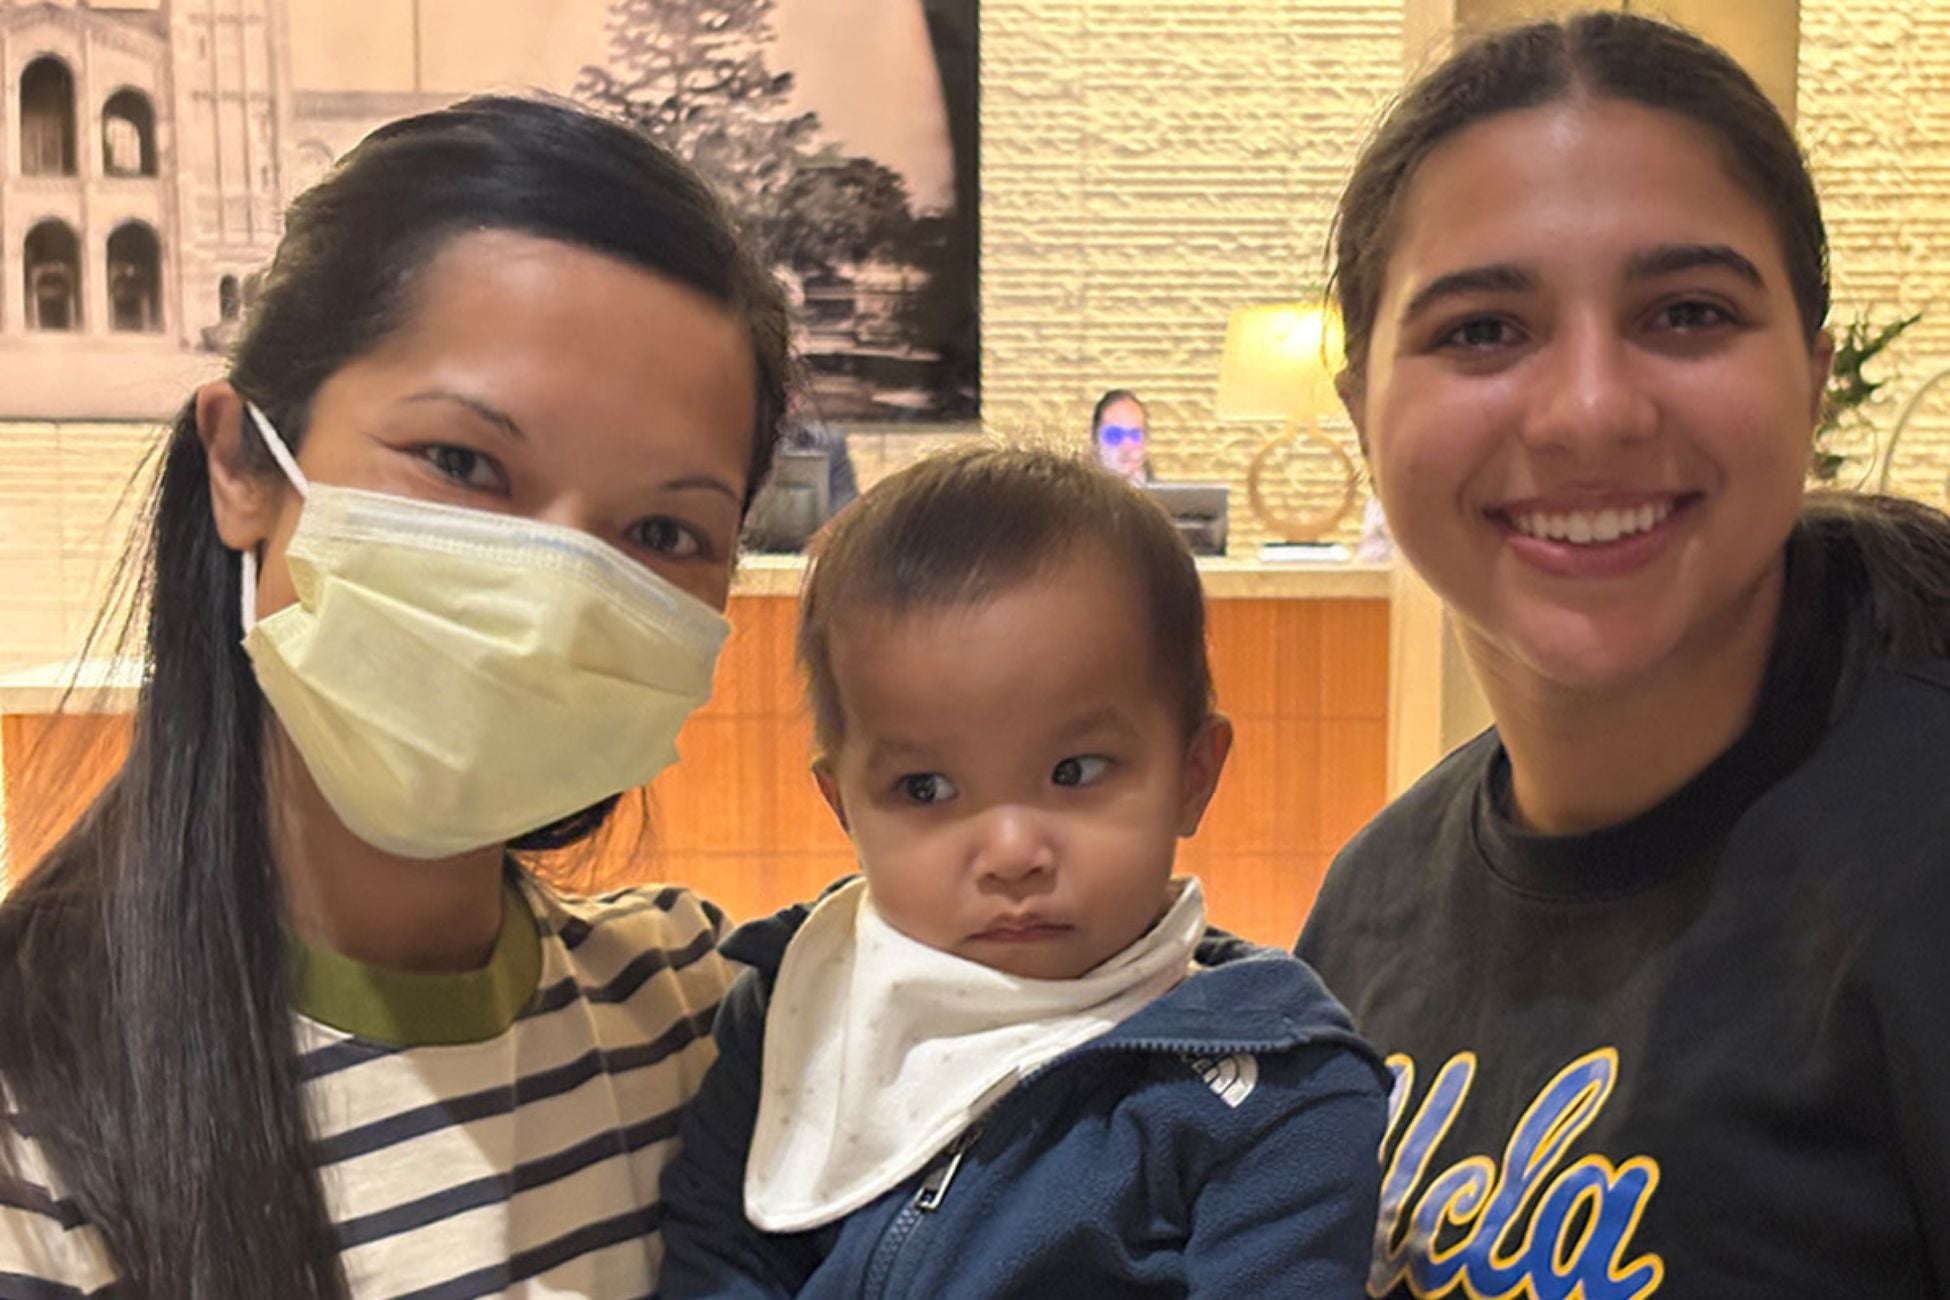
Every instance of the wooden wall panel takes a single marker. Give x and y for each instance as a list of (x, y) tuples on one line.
[(1305, 683), (740, 820), (55, 765)]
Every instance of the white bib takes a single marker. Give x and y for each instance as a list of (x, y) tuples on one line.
[(880, 1050)]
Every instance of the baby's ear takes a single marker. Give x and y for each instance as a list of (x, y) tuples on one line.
[(1205, 759), (829, 790)]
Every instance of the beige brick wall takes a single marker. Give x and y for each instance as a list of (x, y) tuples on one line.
[(63, 489), (1147, 165), (1875, 117)]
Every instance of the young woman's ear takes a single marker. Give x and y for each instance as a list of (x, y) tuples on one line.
[(1205, 759), (1823, 368), (1354, 399), (244, 500), (829, 790)]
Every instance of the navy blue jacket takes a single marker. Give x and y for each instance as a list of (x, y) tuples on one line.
[(1118, 1170)]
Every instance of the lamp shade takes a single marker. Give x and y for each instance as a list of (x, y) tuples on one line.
[(1280, 360)]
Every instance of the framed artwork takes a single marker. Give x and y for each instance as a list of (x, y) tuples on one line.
[(158, 142)]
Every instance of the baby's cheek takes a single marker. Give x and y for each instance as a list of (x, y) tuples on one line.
[(908, 895)]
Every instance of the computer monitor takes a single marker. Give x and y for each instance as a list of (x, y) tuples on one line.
[(794, 502), (1199, 510)]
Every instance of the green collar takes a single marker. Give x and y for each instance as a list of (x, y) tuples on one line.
[(411, 1009)]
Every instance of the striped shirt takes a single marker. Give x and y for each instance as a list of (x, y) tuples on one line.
[(523, 1163)]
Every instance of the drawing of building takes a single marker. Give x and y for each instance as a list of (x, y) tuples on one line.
[(140, 186), (150, 147)]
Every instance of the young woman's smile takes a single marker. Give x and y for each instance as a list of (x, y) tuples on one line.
[(1605, 535)]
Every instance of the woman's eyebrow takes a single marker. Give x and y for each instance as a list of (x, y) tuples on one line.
[(1668, 258), (703, 483), (487, 411), (1500, 277)]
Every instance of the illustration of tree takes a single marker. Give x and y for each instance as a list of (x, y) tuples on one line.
[(940, 317), (692, 74), (835, 210)]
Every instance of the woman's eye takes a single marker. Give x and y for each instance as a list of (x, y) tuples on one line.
[(925, 787), (1480, 333), (1689, 316), (1081, 770), (670, 538), (466, 466)]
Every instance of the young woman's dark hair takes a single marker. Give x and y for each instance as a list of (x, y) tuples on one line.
[(1895, 554), (958, 528), (146, 1038), (1888, 558), (1601, 55)]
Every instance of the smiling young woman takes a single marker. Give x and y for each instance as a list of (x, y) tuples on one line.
[(1661, 938)]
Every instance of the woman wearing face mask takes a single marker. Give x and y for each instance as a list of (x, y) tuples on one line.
[(1659, 960), (435, 573)]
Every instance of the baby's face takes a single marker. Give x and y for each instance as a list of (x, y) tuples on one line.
[(1012, 775)]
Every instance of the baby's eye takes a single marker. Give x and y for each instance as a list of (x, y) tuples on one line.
[(925, 787), (465, 466), (1083, 769)]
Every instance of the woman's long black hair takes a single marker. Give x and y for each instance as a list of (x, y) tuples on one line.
[(146, 1037)]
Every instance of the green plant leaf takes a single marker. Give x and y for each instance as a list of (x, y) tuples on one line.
[(1849, 389)]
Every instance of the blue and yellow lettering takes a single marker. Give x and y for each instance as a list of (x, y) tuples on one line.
[(1438, 1111), (1456, 1197), (1591, 1268), (1479, 1209)]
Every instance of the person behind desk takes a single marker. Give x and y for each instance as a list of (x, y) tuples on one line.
[(805, 431), (811, 480), (1120, 426)]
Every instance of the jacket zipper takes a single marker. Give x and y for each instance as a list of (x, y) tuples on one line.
[(935, 1183), (934, 1187), (927, 1199)]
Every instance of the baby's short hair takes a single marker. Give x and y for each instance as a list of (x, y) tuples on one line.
[(961, 527)]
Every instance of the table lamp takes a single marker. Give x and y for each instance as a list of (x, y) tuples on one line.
[(1279, 362)]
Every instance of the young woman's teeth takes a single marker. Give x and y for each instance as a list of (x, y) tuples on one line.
[(1591, 527)]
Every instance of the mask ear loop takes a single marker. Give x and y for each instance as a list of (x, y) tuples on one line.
[(247, 597)]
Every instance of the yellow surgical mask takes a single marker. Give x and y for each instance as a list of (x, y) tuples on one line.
[(455, 678)]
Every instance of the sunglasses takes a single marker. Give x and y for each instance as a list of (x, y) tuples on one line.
[(1116, 435)]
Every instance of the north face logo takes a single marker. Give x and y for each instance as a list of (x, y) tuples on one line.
[(1233, 1077)]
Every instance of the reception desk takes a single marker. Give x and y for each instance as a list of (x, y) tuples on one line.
[(1301, 661)]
